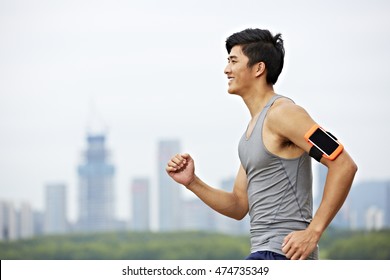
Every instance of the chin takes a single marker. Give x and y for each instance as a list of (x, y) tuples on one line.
[(232, 91)]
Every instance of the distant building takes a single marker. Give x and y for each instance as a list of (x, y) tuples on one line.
[(140, 190), (369, 205), (169, 192), (196, 215), (39, 223), (56, 221), (96, 188), (374, 218), (8, 221), (25, 221)]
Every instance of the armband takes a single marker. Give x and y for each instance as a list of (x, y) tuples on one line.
[(323, 143)]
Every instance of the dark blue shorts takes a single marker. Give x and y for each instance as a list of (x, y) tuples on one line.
[(266, 255)]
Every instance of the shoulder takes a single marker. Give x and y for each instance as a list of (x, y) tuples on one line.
[(284, 110), (288, 119)]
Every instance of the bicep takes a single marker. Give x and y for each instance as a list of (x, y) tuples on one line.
[(292, 122)]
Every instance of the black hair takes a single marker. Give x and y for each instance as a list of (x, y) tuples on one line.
[(259, 45)]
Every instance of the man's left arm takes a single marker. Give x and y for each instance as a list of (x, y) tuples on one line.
[(293, 123), (341, 172)]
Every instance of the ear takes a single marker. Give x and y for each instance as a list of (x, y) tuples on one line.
[(259, 68)]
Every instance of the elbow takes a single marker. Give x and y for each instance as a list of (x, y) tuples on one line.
[(346, 165), (352, 167), (349, 169), (240, 215), (239, 218), (355, 168), (346, 169)]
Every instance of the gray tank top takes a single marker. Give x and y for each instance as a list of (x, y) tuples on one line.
[(279, 190)]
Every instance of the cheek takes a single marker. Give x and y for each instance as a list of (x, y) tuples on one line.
[(240, 71)]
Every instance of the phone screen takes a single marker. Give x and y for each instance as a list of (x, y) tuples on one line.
[(323, 141)]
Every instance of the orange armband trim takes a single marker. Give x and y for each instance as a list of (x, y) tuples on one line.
[(324, 142)]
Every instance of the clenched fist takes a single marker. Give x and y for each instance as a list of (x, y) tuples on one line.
[(181, 168)]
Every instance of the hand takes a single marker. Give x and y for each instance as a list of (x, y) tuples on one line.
[(181, 168), (298, 245)]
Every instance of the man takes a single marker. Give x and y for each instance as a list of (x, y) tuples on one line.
[(274, 181)]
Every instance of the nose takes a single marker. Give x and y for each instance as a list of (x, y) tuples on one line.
[(227, 69)]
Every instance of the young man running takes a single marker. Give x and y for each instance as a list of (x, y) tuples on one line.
[(274, 181)]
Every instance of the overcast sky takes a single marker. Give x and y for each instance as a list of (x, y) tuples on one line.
[(153, 70)]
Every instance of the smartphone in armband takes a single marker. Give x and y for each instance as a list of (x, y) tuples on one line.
[(324, 144)]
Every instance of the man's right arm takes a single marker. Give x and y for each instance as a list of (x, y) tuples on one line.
[(232, 204)]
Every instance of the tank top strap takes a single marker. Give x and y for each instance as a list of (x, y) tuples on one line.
[(266, 107), (272, 100)]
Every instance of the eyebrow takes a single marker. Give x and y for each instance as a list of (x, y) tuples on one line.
[(232, 57)]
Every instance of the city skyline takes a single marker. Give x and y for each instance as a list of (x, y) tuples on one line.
[(173, 212), (155, 72), (123, 214), (366, 208), (96, 203), (57, 199)]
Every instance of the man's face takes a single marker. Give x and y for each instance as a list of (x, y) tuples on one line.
[(239, 75)]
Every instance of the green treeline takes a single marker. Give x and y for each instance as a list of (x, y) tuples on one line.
[(129, 246), (355, 245), (345, 245)]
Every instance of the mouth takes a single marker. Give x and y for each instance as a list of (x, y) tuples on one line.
[(230, 79)]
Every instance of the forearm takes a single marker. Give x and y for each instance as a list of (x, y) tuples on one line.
[(337, 186), (226, 203), (233, 204)]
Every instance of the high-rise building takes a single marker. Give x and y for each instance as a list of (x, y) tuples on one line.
[(56, 221), (368, 203), (196, 215), (96, 188), (26, 221), (140, 193), (169, 192), (39, 222), (8, 221)]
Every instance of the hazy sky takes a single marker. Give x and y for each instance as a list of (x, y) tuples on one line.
[(153, 70)]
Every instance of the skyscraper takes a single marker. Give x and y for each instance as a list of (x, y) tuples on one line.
[(55, 212), (96, 188), (196, 215), (8, 221), (369, 205), (26, 221), (169, 192), (140, 204)]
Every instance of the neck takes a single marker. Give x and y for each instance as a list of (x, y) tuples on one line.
[(256, 100)]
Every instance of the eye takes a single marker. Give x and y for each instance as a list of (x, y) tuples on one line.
[(232, 59)]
